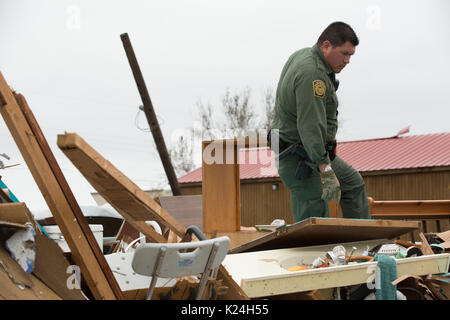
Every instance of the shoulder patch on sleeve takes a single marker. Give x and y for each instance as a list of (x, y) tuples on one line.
[(319, 88)]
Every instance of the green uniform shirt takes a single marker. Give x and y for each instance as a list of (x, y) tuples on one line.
[(306, 103)]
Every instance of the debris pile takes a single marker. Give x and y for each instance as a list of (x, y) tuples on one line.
[(67, 258)]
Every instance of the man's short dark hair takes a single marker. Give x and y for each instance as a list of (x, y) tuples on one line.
[(338, 33)]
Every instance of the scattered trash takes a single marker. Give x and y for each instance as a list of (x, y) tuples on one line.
[(21, 245), (298, 268)]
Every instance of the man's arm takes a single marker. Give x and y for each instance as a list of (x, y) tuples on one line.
[(310, 93)]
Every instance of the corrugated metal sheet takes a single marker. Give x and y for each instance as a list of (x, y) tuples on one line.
[(420, 151)]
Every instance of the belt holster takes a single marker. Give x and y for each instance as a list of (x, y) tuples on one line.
[(331, 149)]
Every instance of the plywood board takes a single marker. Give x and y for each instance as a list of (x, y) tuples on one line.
[(50, 266), (124, 195), (239, 238), (220, 187), (56, 192), (316, 231), (188, 210), (15, 284)]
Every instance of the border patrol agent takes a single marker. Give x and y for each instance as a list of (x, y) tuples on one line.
[(305, 126)]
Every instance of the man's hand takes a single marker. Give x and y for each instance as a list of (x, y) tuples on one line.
[(331, 189)]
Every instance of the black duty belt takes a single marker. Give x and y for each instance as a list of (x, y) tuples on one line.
[(302, 171)]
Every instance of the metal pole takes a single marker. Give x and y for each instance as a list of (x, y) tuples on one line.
[(151, 288), (206, 273)]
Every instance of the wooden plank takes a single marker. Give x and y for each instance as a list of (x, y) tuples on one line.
[(124, 195), (13, 212), (334, 209), (316, 231), (69, 197), (239, 238), (45, 175), (220, 187), (234, 292), (411, 208), (425, 247), (4, 196)]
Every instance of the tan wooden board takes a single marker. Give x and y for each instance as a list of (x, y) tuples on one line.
[(316, 231), (4, 195), (123, 194), (220, 188), (48, 177), (419, 209), (13, 212)]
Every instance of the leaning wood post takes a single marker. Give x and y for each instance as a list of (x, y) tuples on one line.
[(151, 116)]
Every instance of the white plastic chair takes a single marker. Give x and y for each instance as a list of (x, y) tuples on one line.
[(170, 260)]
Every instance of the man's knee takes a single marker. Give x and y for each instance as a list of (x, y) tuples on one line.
[(354, 203)]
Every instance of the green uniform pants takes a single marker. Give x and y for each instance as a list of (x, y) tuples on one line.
[(306, 194)]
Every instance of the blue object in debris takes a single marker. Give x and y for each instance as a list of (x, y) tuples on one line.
[(387, 272)]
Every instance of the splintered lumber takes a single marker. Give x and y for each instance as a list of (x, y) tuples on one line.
[(122, 193), (48, 176), (127, 198)]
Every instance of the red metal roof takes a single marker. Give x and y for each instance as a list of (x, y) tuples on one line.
[(419, 151)]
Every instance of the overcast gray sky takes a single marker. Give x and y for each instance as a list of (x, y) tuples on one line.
[(67, 58)]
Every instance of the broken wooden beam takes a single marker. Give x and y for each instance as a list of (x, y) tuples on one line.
[(127, 198), (122, 193)]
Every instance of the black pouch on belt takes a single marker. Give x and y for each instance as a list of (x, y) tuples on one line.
[(331, 149)]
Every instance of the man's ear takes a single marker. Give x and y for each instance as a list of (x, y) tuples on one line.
[(326, 45)]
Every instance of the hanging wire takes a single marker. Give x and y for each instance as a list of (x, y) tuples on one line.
[(146, 129)]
